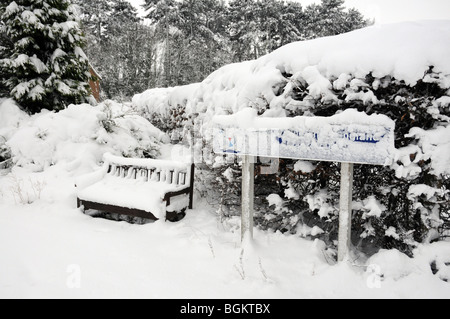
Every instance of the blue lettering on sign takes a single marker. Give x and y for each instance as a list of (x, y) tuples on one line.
[(360, 138), (231, 151), (367, 138)]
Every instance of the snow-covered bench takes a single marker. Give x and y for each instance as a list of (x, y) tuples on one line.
[(145, 188)]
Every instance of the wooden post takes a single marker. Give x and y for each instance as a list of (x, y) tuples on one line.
[(345, 211), (248, 182), (191, 191)]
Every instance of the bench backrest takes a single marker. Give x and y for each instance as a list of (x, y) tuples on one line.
[(170, 172)]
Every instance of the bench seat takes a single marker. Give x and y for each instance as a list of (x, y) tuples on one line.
[(144, 188)]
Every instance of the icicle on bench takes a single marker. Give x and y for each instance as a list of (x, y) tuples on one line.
[(145, 188)]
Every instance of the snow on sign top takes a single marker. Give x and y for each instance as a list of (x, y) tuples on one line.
[(351, 136)]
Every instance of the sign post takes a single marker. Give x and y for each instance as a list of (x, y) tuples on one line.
[(345, 210), (248, 182), (350, 138)]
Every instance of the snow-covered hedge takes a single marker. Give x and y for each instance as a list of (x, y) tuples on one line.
[(400, 70), (320, 71), (165, 107), (77, 136)]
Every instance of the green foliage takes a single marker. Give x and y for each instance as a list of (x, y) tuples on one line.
[(44, 65)]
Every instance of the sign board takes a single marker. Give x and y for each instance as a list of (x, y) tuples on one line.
[(350, 137), (349, 143)]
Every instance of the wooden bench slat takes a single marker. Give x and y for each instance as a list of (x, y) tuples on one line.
[(116, 209), (172, 176), (175, 177)]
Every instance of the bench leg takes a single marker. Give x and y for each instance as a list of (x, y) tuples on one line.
[(191, 195), (174, 216), (191, 191), (81, 204)]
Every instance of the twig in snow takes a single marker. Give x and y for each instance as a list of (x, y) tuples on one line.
[(211, 247), (263, 272), (17, 190), (38, 187), (240, 268)]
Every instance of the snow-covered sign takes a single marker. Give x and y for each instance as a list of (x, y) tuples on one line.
[(350, 137)]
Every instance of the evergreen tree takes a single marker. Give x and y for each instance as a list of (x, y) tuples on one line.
[(46, 67), (244, 31), (280, 23), (163, 15), (355, 20), (330, 18), (269, 14), (5, 47), (291, 25), (204, 46), (119, 49), (259, 27), (94, 15)]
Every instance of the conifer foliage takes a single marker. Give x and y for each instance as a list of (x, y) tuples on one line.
[(43, 65)]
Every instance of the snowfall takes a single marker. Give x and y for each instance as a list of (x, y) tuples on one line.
[(50, 249)]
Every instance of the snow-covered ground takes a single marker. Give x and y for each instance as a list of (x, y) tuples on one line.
[(50, 249)]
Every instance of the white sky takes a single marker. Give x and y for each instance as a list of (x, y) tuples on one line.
[(390, 11)]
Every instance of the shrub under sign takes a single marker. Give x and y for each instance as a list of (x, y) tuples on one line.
[(349, 137)]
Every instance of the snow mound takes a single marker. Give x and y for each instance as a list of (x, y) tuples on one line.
[(10, 117), (435, 145), (393, 264), (428, 260), (160, 100), (402, 50), (77, 136)]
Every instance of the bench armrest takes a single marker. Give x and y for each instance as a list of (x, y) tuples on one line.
[(169, 195), (185, 191), (86, 180)]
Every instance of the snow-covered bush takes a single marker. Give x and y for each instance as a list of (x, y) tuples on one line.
[(5, 152), (399, 70), (402, 204), (10, 118), (77, 136), (166, 108)]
